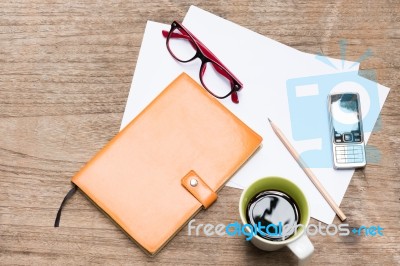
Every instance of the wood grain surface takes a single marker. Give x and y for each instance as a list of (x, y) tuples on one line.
[(65, 73)]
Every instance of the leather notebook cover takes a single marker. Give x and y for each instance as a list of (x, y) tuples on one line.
[(167, 163)]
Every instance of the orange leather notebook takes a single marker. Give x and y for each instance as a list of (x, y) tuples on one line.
[(167, 163)]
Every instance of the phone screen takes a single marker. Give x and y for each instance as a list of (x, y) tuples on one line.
[(345, 118)]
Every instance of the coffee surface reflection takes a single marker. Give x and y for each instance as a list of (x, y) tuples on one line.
[(277, 212)]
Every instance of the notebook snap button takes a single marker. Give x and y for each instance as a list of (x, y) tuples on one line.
[(193, 182), (199, 189)]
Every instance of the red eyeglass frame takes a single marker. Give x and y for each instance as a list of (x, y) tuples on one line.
[(205, 55)]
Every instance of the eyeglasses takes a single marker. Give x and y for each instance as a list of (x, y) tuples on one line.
[(214, 76)]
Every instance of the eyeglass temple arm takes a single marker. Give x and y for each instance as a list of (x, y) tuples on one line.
[(175, 35)]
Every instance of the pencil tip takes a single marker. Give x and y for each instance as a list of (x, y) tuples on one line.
[(269, 120)]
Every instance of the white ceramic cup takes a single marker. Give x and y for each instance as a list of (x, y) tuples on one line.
[(299, 243)]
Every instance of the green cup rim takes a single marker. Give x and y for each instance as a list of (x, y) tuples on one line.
[(299, 232)]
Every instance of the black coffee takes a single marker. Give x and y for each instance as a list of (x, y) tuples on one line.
[(276, 212)]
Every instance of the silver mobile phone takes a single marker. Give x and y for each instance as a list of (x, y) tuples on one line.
[(347, 136)]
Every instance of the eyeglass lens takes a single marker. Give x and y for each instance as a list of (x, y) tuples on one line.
[(212, 76), (181, 45), (215, 81)]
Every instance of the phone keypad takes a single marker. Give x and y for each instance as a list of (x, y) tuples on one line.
[(349, 154)]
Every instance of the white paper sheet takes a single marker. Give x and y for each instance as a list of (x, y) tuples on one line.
[(264, 66)]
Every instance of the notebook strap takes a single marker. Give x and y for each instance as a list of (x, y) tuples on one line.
[(69, 195)]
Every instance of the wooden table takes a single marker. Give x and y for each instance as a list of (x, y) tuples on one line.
[(65, 73)]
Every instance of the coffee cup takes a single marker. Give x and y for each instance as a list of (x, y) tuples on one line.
[(298, 242)]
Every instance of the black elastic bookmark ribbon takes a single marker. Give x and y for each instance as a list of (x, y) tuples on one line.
[(69, 195)]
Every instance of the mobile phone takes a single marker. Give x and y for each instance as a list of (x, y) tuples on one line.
[(347, 136)]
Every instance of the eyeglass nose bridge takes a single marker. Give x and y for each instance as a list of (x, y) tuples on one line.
[(202, 57)]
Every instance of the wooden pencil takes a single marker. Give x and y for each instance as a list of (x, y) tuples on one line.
[(308, 171)]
